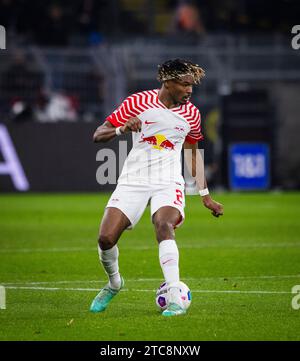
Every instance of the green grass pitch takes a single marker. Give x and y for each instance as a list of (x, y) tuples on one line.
[(241, 269)]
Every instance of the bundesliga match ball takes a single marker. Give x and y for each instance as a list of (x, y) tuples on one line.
[(162, 296)]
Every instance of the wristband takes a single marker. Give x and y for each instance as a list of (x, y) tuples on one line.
[(204, 192), (118, 131)]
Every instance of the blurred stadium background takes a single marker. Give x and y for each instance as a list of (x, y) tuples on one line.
[(67, 64), (65, 67)]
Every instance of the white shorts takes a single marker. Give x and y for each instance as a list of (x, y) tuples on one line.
[(132, 200)]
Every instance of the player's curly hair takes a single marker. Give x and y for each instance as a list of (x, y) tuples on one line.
[(176, 68)]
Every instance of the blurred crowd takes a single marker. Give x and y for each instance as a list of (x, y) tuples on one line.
[(25, 96), (60, 23)]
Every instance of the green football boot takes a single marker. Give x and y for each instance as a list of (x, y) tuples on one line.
[(174, 310), (102, 300)]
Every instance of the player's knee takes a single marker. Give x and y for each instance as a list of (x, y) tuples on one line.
[(164, 228), (106, 240)]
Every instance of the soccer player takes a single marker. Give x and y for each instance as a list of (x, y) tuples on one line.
[(161, 121)]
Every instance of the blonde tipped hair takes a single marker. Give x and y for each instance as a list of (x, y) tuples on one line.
[(175, 69)]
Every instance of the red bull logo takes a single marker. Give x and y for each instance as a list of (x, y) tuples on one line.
[(158, 141)]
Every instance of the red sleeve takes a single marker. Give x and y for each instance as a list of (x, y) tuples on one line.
[(195, 133), (122, 114)]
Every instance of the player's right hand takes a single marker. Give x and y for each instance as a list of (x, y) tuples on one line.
[(132, 125)]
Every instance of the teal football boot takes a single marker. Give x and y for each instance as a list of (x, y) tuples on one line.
[(104, 297), (174, 310)]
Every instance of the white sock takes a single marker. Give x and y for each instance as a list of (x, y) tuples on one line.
[(169, 262), (109, 260)]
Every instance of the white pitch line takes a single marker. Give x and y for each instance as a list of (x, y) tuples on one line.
[(141, 248), (223, 278), (140, 290), (50, 288), (222, 291), (48, 250)]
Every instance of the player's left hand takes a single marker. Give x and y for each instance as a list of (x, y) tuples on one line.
[(134, 124), (217, 208)]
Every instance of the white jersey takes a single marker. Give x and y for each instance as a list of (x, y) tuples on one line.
[(155, 156)]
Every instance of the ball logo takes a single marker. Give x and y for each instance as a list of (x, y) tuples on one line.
[(2, 37), (296, 299), (162, 296), (296, 38)]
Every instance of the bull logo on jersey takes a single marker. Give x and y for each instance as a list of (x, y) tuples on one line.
[(158, 141)]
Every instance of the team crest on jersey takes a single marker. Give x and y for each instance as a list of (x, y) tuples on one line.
[(180, 129), (158, 141)]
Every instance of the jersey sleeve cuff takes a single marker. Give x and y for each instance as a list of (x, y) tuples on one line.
[(193, 140), (113, 120)]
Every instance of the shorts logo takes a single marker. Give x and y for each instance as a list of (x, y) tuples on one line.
[(147, 122), (115, 200), (179, 197), (158, 141)]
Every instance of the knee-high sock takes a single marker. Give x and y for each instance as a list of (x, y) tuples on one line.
[(169, 260), (109, 259)]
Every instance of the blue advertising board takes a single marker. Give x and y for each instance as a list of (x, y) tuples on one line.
[(249, 166)]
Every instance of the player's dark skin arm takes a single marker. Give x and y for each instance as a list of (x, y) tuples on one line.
[(107, 131), (195, 164)]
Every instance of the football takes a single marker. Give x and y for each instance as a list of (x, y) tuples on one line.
[(162, 296)]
